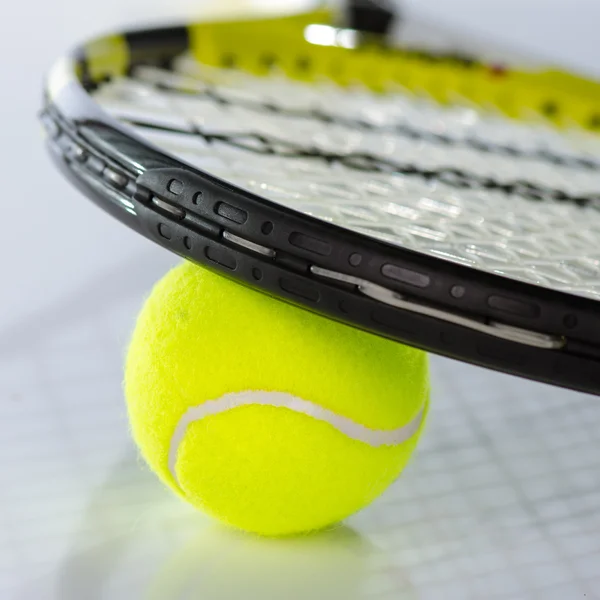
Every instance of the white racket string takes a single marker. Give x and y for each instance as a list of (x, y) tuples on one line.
[(518, 199)]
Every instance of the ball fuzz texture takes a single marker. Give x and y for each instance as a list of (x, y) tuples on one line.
[(266, 416)]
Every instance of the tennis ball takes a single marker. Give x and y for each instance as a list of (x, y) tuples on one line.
[(270, 418)]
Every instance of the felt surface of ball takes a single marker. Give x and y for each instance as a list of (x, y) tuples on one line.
[(266, 416)]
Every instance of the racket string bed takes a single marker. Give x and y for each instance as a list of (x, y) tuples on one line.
[(452, 182), (127, 184), (415, 121)]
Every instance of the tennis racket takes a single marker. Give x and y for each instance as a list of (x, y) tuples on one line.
[(433, 197)]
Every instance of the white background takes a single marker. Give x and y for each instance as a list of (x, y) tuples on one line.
[(502, 499)]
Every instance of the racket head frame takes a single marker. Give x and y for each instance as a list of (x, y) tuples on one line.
[(437, 305)]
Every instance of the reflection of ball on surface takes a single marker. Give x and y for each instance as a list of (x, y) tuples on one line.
[(222, 564), (268, 417)]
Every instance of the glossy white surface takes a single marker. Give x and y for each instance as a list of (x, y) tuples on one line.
[(501, 501)]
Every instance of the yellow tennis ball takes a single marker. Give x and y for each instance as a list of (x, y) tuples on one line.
[(266, 416)]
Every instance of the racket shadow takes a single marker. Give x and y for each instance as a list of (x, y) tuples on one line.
[(107, 529), (135, 541)]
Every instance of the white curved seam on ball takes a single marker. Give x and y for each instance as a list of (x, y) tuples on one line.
[(345, 425)]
